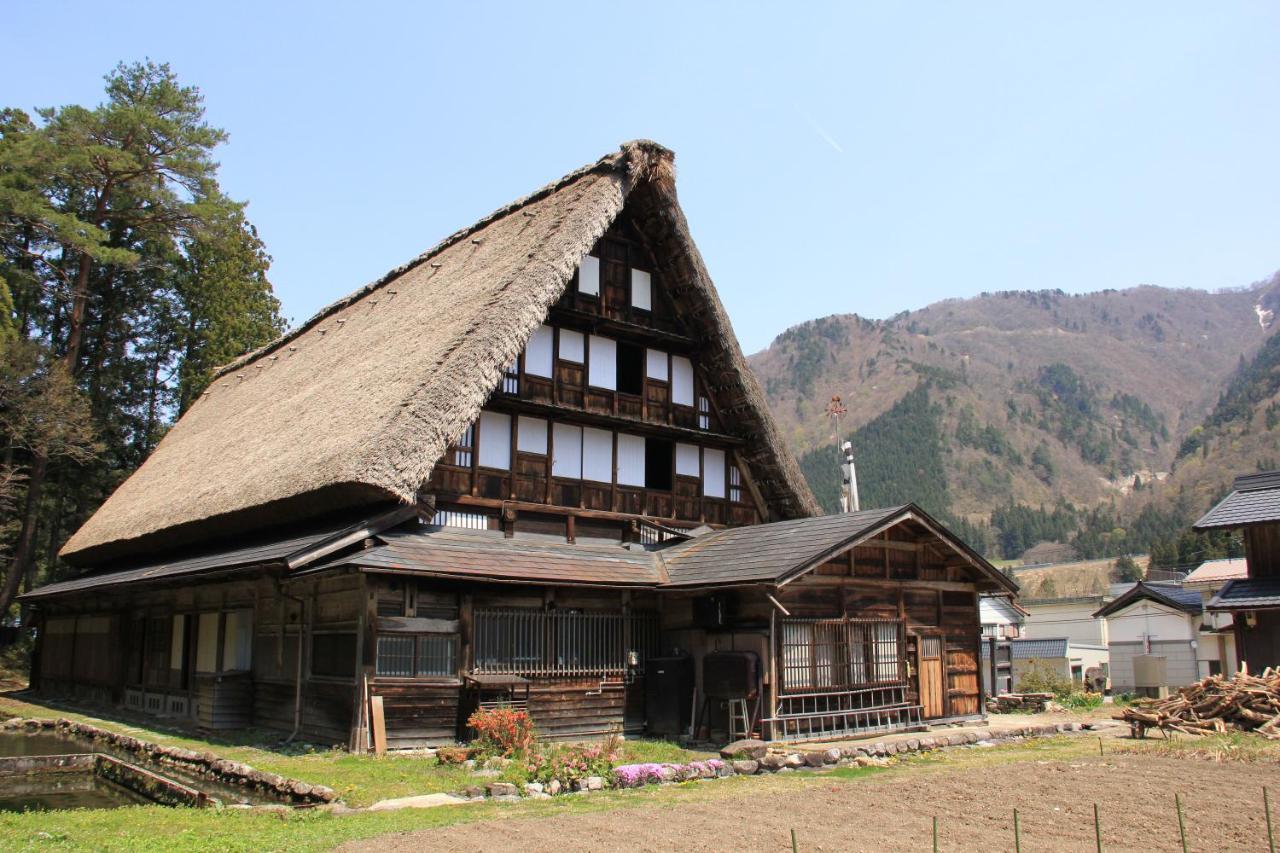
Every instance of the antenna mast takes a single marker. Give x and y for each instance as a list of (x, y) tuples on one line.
[(848, 472)]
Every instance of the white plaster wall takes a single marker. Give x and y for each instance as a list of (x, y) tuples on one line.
[(1148, 619), (1073, 621)]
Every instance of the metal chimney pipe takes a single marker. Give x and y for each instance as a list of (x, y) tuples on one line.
[(850, 498)]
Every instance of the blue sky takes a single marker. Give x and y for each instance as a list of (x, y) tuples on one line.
[(831, 158)]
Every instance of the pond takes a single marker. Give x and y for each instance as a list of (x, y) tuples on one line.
[(49, 792), (41, 785)]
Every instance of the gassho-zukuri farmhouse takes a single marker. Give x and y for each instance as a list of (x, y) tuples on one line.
[(529, 466)]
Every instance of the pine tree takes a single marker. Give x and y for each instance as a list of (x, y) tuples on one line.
[(131, 274)]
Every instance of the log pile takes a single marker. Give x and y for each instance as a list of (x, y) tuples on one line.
[(1249, 703), (1010, 703)]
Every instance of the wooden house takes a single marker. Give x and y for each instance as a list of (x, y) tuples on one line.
[(1253, 508), (529, 466)]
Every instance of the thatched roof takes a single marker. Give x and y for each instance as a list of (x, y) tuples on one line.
[(359, 403)]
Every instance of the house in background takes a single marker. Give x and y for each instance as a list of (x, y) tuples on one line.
[(1001, 616), (1211, 575), (1002, 620), (519, 468), (1072, 618), (1167, 623), (1252, 602), (1060, 655)]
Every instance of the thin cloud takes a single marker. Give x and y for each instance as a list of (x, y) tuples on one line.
[(822, 134)]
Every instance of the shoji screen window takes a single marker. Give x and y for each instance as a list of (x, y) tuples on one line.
[(713, 473), (537, 354), (597, 455), (566, 458), (495, 440), (641, 290), (681, 381), (589, 276)]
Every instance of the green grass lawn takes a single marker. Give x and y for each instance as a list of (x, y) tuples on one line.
[(364, 779), (359, 779)]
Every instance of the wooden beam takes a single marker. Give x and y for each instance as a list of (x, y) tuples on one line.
[(838, 580), (762, 507), (550, 509), (516, 406)]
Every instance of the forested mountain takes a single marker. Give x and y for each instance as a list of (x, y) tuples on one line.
[(1041, 416), (126, 276)]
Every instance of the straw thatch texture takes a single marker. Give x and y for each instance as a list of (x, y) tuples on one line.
[(358, 404)]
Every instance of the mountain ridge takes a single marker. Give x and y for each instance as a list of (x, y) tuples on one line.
[(1038, 397)]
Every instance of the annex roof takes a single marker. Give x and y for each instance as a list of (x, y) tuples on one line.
[(487, 555), (782, 550), (1175, 597), (355, 406), (1248, 594), (279, 552), (771, 554), (1254, 499)]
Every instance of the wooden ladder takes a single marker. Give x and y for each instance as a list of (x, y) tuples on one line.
[(739, 720)]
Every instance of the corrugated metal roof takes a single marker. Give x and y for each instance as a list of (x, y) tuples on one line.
[(1216, 571), (1249, 594), (1255, 498), (445, 552), (1050, 647)]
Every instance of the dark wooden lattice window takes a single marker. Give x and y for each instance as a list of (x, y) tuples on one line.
[(735, 484), (462, 450)]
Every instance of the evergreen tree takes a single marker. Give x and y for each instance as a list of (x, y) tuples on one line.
[(131, 273)]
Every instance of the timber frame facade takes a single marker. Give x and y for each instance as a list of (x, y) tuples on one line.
[(608, 530)]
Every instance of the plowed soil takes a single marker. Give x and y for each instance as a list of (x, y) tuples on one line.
[(893, 810)]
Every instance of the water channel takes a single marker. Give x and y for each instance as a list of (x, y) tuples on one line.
[(38, 790)]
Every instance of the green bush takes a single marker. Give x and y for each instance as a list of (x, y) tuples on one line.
[(1040, 677), (1081, 701)]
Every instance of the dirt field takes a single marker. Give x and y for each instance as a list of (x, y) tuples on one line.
[(892, 810)]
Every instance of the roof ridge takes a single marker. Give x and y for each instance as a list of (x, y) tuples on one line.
[(638, 157)]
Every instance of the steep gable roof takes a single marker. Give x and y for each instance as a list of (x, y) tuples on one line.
[(358, 404), (1173, 597)]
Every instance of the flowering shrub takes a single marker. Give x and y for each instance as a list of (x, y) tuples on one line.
[(502, 731), (635, 775), (569, 763)]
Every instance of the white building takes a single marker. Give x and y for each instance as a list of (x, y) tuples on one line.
[(1072, 618), (1166, 621), (1001, 617)]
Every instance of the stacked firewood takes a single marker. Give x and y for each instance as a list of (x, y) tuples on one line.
[(1010, 703), (1249, 703)]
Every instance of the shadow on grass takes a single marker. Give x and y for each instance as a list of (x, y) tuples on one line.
[(266, 740)]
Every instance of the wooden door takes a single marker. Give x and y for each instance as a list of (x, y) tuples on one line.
[(962, 672), (930, 669)]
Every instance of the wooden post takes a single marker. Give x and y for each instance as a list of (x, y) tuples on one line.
[(773, 671), (1266, 809), (1097, 828), (355, 741), (1182, 827), (994, 646)]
